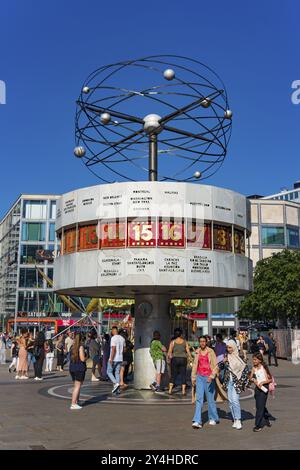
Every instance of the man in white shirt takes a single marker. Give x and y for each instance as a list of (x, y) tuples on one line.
[(117, 344)]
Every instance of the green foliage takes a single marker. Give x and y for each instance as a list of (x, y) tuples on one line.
[(276, 289)]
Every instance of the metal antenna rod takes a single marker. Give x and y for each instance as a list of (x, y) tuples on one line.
[(153, 157)]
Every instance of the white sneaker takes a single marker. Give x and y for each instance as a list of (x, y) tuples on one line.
[(17, 377), (212, 422), (196, 425), (75, 407), (115, 388), (94, 379), (238, 424), (36, 378), (234, 424)]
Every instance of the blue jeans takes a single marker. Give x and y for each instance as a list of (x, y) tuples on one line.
[(234, 401), (202, 386), (113, 371)]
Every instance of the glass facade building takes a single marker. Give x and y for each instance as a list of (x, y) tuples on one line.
[(27, 229)]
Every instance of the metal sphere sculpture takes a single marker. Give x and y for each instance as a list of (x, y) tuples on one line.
[(163, 118)]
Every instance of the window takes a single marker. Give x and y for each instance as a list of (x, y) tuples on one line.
[(69, 241), (291, 196), (171, 232), (30, 278), (222, 238), (272, 235), (239, 241), (31, 301), (51, 248), (113, 234), (28, 253), (50, 274), (51, 232), (198, 234), (88, 238), (293, 237), (33, 232), (53, 210), (35, 209)]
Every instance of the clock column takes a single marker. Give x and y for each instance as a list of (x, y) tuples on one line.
[(152, 312)]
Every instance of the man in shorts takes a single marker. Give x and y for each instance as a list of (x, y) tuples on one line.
[(157, 352)]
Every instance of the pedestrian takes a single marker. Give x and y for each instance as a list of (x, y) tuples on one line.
[(179, 354), (105, 355), (94, 349), (234, 337), (39, 355), (117, 344), (157, 352), (60, 353), (22, 367), (14, 355), (220, 348), (2, 349), (270, 341), (261, 377), (204, 372), (236, 379), (127, 359), (30, 346), (49, 351), (261, 345), (68, 344), (77, 369)]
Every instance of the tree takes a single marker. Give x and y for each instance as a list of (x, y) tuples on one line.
[(276, 290)]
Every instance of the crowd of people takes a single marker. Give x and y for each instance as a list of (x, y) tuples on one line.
[(217, 368)]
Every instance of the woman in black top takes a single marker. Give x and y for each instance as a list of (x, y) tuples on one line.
[(39, 355), (77, 369)]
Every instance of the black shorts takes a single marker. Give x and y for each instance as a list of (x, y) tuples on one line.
[(78, 376)]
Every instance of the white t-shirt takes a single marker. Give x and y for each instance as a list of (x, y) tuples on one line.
[(119, 342), (261, 375)]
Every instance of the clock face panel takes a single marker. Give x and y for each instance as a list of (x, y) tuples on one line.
[(145, 308)]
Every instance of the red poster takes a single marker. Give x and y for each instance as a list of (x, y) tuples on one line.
[(113, 234), (199, 234), (141, 233), (171, 233)]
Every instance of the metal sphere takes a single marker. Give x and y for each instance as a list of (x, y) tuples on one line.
[(197, 174), (169, 74), (205, 103), (79, 152), (85, 89), (151, 123), (228, 114), (105, 118)]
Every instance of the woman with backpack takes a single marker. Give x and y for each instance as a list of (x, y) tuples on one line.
[(127, 359), (179, 354), (262, 378), (77, 369), (236, 379), (39, 355)]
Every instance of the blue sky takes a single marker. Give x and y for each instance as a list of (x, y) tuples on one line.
[(48, 48)]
